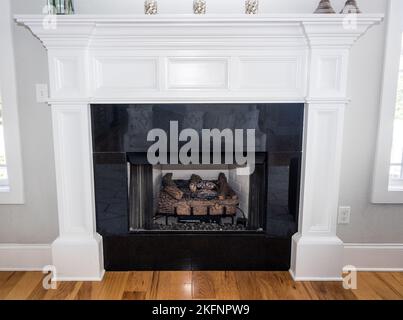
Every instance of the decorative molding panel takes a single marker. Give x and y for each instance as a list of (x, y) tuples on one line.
[(68, 73), (66, 76), (328, 74), (275, 73), (197, 73), (71, 125), (322, 162), (121, 75)]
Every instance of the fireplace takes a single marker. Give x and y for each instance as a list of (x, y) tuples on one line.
[(273, 63), (198, 195)]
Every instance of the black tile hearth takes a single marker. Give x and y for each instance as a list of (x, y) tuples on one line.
[(196, 252)]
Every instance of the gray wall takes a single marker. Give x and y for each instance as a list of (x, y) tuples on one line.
[(36, 221), (369, 223)]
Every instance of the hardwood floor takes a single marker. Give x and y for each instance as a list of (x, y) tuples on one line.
[(185, 285)]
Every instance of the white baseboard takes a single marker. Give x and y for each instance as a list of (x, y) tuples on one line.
[(314, 279), (68, 279), (374, 256), (24, 257), (365, 257)]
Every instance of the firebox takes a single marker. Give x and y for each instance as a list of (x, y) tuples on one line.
[(196, 197), (197, 186)]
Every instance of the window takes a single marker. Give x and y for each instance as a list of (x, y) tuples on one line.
[(388, 171), (3, 167), (11, 177), (396, 165)]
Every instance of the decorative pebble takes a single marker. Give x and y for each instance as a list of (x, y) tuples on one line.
[(198, 226)]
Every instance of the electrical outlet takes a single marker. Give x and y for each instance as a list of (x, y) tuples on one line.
[(344, 215), (42, 94)]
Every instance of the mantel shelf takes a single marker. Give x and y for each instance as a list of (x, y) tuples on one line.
[(195, 31), (207, 18)]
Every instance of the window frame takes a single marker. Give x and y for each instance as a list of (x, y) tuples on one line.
[(13, 193), (393, 47)]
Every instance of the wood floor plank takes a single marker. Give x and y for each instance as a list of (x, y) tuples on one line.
[(184, 285), (331, 291), (88, 291), (176, 285), (203, 285), (139, 281), (370, 286), (392, 280), (38, 293), (247, 285), (4, 276), (137, 286), (9, 283), (280, 286), (153, 290), (64, 291), (225, 285), (134, 295), (24, 286), (113, 286), (398, 276)]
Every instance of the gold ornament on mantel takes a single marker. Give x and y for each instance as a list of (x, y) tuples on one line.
[(199, 6), (325, 7), (251, 6), (150, 7), (350, 7)]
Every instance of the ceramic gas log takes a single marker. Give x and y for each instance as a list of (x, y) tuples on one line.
[(197, 197)]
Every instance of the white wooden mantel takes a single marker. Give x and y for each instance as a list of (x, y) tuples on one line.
[(187, 58)]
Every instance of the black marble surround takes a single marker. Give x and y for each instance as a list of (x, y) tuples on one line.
[(122, 129)]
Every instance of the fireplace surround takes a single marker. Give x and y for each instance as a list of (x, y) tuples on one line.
[(138, 202), (211, 59)]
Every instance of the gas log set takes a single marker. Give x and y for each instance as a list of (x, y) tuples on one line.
[(197, 199)]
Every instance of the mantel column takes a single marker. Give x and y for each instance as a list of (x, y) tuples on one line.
[(77, 253), (317, 252)]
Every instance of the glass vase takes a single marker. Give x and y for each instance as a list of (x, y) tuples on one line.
[(60, 6)]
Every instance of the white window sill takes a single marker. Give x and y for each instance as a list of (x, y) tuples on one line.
[(395, 189), (4, 189)]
